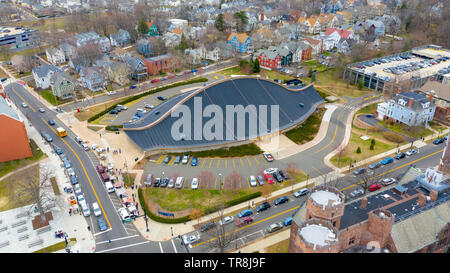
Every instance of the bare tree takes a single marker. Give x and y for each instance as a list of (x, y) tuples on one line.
[(36, 189), (205, 177)]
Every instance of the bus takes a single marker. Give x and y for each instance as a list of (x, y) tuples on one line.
[(61, 132)]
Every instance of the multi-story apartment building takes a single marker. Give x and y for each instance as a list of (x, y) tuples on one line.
[(18, 38)]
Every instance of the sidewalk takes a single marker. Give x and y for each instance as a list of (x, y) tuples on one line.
[(76, 225), (262, 243)]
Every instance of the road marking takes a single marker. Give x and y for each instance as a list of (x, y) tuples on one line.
[(248, 182), (399, 167), (240, 184), (85, 172), (320, 173), (120, 247), (218, 163), (215, 183), (14, 90), (160, 246), (173, 244), (242, 163), (101, 232), (216, 77), (249, 225), (203, 162), (249, 161), (172, 160), (335, 132), (226, 163), (234, 165), (160, 159), (210, 162), (256, 160), (189, 161)]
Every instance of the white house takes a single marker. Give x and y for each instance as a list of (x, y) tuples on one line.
[(43, 74), (55, 56)]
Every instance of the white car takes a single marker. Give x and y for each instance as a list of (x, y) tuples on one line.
[(111, 92), (185, 159), (194, 184), (226, 220), (110, 166), (94, 146), (268, 157), (387, 181), (81, 199), (191, 238), (96, 209), (77, 189), (85, 146), (270, 170), (411, 152), (149, 106), (124, 214), (123, 107), (24, 105), (70, 171), (252, 181)]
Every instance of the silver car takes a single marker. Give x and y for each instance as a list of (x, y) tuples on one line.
[(356, 193)]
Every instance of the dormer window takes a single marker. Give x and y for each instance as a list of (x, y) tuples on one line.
[(425, 105), (402, 102)]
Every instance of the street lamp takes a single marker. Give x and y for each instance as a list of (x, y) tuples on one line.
[(220, 179), (171, 230)]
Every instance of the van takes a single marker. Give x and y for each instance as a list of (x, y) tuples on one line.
[(105, 177), (109, 187), (85, 209), (179, 182), (85, 147), (121, 191), (123, 213)]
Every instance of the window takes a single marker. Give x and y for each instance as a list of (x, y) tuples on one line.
[(351, 241)]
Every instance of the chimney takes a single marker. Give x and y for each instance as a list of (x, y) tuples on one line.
[(411, 101), (399, 90), (433, 195), (363, 203), (422, 200), (430, 96)]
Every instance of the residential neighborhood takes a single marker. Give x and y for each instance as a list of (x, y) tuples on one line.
[(225, 126)]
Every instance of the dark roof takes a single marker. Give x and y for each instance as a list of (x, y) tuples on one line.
[(237, 91)]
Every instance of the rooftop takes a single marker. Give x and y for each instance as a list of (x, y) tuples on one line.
[(10, 31), (317, 235), (324, 197)]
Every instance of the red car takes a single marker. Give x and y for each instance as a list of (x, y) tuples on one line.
[(268, 178), (155, 80), (243, 221), (374, 187), (100, 169)]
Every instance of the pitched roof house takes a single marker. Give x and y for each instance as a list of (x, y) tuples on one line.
[(117, 72), (43, 74), (63, 85), (92, 79), (240, 42), (55, 56)]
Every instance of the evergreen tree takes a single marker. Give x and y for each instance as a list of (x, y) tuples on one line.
[(183, 44), (220, 23), (358, 151), (256, 67), (142, 27)]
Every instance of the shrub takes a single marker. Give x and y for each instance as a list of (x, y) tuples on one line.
[(391, 136), (153, 91), (358, 151), (113, 127)]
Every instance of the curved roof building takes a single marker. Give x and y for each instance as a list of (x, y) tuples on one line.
[(236, 109)]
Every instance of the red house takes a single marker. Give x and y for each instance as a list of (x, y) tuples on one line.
[(269, 59)]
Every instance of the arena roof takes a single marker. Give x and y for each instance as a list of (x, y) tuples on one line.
[(154, 130)]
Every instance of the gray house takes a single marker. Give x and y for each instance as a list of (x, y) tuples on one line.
[(43, 74)]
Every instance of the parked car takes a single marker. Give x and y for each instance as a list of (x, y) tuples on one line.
[(149, 106), (185, 159), (287, 221), (374, 187), (244, 213), (400, 156), (411, 152), (252, 181), (96, 209), (100, 169), (268, 157), (114, 112), (162, 98), (194, 184), (111, 93), (58, 151), (132, 86), (189, 239), (164, 182), (226, 220), (356, 193), (374, 165), (278, 177), (167, 159), (284, 174), (268, 178), (359, 171), (388, 181), (24, 105), (387, 160), (438, 141), (260, 180), (274, 227), (155, 80), (102, 224), (194, 161), (157, 182), (300, 192), (177, 159), (51, 122), (280, 200), (270, 170), (244, 220), (207, 226), (263, 207)]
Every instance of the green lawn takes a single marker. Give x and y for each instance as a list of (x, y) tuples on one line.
[(369, 109), (47, 94), (349, 153), (7, 167), (413, 132), (235, 151), (55, 247), (313, 64), (308, 130), (235, 70), (129, 182), (281, 247)]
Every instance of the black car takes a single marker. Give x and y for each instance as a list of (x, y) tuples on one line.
[(281, 200), (162, 98), (207, 226), (164, 182), (284, 174), (157, 182), (400, 156), (278, 177), (262, 207), (113, 112), (374, 165), (167, 159)]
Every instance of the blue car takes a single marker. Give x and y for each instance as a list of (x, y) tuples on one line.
[(387, 160), (58, 151), (74, 180), (139, 114), (194, 161), (102, 224), (132, 86), (287, 221), (51, 122), (245, 213), (438, 141), (67, 164)]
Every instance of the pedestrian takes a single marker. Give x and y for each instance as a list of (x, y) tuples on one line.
[(89, 228), (107, 149), (125, 186), (120, 197), (70, 212), (132, 188), (137, 206), (120, 151)]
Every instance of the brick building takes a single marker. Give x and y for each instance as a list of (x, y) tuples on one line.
[(444, 166), (413, 216), (163, 63), (13, 139)]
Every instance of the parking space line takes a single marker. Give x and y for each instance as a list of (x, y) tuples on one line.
[(248, 183), (262, 157), (215, 183), (226, 163), (256, 160), (210, 162), (240, 184), (218, 163), (172, 160), (160, 246), (203, 162), (189, 161), (182, 185), (234, 165), (173, 244), (242, 163), (160, 160), (248, 159)]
